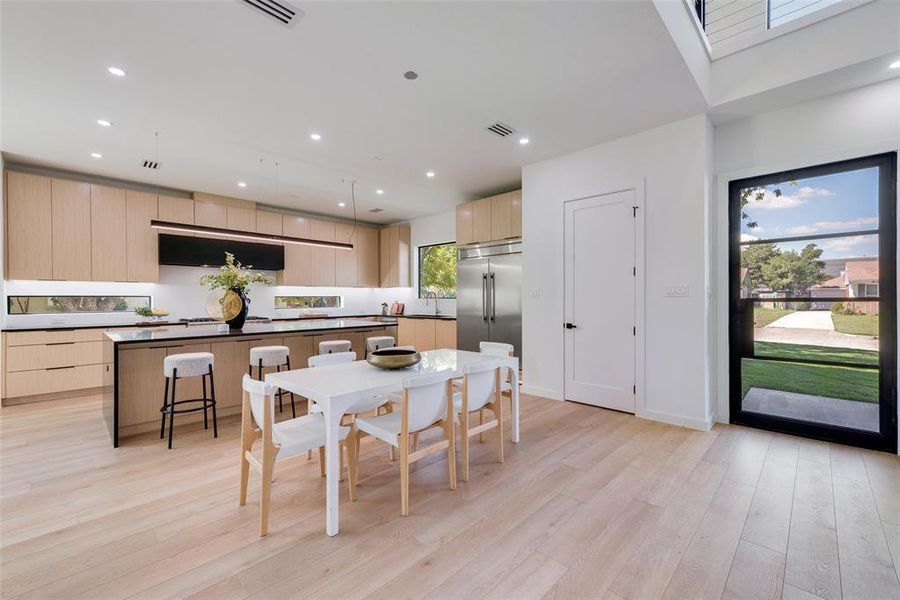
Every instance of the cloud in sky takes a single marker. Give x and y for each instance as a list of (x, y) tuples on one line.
[(746, 237), (826, 226), (772, 202)]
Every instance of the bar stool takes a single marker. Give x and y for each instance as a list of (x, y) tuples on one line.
[(332, 346), (378, 342), (272, 356), (179, 366)]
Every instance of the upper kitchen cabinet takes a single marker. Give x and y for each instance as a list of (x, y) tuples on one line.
[(108, 234), (368, 257), (297, 259), (71, 239), (489, 219), (142, 257), (176, 210), (241, 219), (322, 259), (269, 222), (28, 226), (394, 253), (345, 267)]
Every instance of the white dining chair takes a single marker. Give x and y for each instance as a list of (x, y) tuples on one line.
[(280, 441), (480, 391), (496, 349), (427, 403)]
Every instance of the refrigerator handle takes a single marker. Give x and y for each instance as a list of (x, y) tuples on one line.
[(484, 297), (493, 297)]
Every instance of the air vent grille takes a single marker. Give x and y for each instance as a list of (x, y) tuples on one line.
[(501, 129), (276, 9), (376, 210), (153, 165)]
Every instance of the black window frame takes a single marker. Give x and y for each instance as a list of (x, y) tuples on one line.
[(741, 327), (419, 269)]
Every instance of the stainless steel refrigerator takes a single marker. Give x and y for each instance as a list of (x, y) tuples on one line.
[(489, 295)]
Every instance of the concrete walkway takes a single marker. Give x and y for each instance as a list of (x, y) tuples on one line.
[(818, 409), (805, 319), (815, 337)]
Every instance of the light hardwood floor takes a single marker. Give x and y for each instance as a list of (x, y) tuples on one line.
[(591, 504)]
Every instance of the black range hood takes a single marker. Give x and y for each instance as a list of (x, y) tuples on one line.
[(186, 251)]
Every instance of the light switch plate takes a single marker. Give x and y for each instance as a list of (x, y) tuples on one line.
[(677, 291)]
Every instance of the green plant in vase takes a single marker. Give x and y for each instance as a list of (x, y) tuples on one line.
[(234, 277)]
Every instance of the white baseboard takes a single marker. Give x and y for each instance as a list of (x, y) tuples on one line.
[(542, 392), (663, 417)]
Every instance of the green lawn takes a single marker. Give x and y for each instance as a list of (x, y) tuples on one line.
[(764, 316), (856, 324), (848, 383), (821, 353)]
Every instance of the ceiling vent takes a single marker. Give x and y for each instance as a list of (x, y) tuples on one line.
[(501, 129), (376, 210), (153, 165), (276, 9)]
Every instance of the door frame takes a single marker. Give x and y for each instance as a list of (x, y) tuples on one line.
[(639, 188), (887, 210)]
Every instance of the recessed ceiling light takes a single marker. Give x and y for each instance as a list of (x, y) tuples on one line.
[(117, 71), (524, 141), (342, 204), (411, 75), (379, 191), (429, 174), (96, 155), (315, 136), (242, 184), (104, 122), (895, 64)]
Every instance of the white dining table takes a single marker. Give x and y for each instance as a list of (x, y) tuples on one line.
[(335, 387)]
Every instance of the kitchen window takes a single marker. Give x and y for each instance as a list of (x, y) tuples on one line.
[(437, 271), (48, 305), (309, 301)]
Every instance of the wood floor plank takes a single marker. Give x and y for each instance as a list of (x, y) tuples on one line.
[(892, 533), (792, 593), (884, 477), (812, 556), (769, 520), (867, 570), (757, 572), (531, 579)]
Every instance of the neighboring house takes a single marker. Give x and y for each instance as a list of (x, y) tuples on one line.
[(861, 277), (746, 284), (858, 279)]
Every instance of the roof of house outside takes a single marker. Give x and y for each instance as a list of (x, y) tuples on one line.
[(862, 271), (834, 282)]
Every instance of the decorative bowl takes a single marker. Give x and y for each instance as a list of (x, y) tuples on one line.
[(393, 358)]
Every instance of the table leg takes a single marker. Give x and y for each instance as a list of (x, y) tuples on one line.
[(332, 468), (514, 392)]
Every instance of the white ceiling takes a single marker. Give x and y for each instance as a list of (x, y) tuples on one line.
[(225, 86)]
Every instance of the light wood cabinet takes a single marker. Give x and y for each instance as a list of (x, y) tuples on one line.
[(394, 254), (445, 333), (240, 219), (108, 234), (425, 334), (301, 348), (406, 332), (368, 257), (176, 210), (297, 259), (141, 385), (489, 219), (28, 226), (322, 259), (345, 267), (142, 257), (464, 224), (230, 362), (481, 220), (268, 222), (71, 239), (210, 214)]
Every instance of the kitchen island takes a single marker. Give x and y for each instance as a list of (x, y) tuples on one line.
[(133, 382)]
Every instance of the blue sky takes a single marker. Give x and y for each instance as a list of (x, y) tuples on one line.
[(829, 204)]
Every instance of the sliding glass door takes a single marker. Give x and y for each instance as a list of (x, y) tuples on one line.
[(813, 301)]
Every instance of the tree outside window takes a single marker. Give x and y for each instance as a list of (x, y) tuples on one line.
[(437, 270)]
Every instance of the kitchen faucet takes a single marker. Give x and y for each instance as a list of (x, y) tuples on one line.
[(432, 295)]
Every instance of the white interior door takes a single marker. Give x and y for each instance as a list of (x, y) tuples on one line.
[(600, 299)]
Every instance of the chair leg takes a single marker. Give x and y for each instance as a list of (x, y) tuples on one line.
[(322, 461), (352, 453), (265, 498), (212, 396), (464, 442), (205, 418), (172, 407), (293, 408), (415, 442), (389, 409), (341, 463), (450, 431), (498, 412), (481, 422), (162, 425), (404, 475), (245, 477)]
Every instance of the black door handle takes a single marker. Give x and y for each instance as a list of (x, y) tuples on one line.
[(571, 326)]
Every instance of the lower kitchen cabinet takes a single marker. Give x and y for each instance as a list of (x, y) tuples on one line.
[(426, 334)]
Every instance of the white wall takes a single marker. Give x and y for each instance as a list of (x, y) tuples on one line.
[(179, 290), (674, 163), (848, 125)]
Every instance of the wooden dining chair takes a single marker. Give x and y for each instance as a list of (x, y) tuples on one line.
[(280, 441), (427, 403), (480, 391)]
